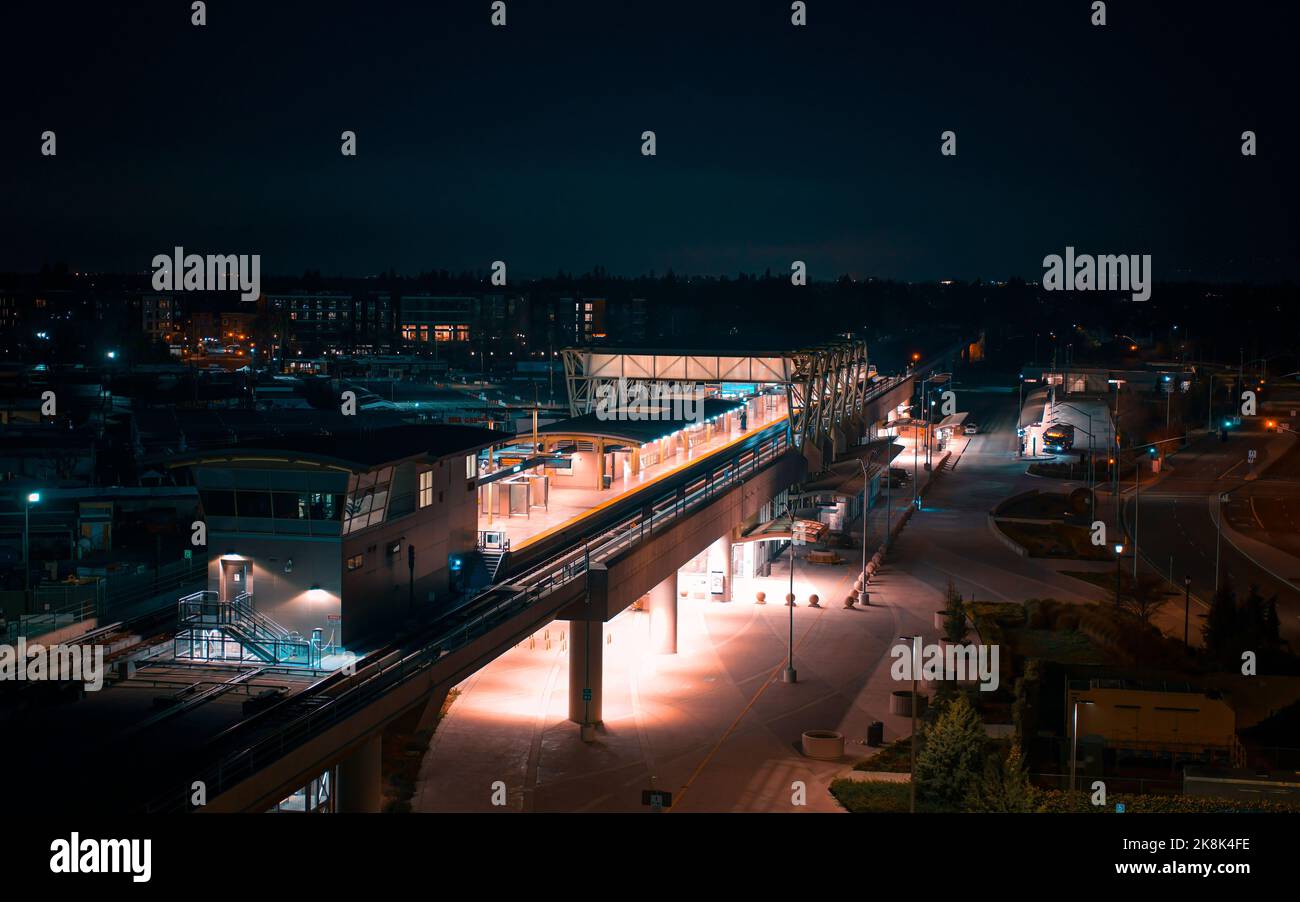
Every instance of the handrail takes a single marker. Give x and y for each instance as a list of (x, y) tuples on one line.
[(386, 673)]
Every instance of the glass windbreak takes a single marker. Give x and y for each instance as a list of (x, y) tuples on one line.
[(274, 501), (367, 501)]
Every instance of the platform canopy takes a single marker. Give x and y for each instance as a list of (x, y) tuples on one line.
[(639, 431)]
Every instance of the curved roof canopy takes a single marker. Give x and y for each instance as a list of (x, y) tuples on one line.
[(619, 426)]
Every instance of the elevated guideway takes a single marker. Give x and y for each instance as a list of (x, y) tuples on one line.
[(606, 562)]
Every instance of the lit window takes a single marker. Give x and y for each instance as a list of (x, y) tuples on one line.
[(355, 562), (471, 466), (426, 488)]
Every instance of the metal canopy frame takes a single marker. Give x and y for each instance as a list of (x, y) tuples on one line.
[(825, 385)]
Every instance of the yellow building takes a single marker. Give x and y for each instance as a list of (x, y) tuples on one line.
[(1153, 717)]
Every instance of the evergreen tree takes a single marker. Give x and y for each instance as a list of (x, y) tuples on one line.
[(954, 615), (951, 759), (1024, 710), (1005, 787), (1221, 625)]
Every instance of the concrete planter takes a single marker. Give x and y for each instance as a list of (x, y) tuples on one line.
[(900, 703), (826, 745)]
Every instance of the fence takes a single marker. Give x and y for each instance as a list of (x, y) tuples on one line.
[(55, 606)]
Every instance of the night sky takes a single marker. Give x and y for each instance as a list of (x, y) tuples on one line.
[(775, 143)]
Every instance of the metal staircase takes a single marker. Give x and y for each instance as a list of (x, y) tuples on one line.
[(212, 629), (494, 548)]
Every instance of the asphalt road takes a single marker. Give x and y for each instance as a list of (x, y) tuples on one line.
[(1176, 528)]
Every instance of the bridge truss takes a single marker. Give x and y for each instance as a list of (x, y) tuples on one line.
[(826, 385)]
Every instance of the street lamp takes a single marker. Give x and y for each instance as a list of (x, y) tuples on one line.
[(32, 498), (1074, 738), (789, 675), (866, 489), (916, 660), (1218, 535), (936, 378), (1119, 551)]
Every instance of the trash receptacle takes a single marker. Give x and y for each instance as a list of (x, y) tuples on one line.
[(876, 734)]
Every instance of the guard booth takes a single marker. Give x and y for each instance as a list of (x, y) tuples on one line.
[(951, 425)]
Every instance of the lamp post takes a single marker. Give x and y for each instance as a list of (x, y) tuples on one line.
[(789, 675), (1137, 495), (916, 659), (32, 498), (1074, 738), (1119, 551), (1187, 606), (1218, 535), (929, 408), (1020, 415), (866, 490), (889, 482), (916, 470)]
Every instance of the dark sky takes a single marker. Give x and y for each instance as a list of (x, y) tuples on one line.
[(775, 143)]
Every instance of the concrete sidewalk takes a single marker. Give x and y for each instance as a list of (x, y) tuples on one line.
[(1277, 563)]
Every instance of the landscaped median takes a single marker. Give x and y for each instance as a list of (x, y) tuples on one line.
[(1047, 525)]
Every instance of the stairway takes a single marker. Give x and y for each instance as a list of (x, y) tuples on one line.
[(257, 635), (493, 560)]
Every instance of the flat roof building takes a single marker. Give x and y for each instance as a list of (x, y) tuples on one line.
[(332, 538)]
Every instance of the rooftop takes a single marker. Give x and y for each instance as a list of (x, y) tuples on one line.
[(641, 431), (360, 449)]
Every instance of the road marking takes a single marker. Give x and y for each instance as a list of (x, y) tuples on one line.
[(771, 679)]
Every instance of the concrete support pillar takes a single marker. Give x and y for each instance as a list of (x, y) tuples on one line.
[(360, 778), (586, 660), (663, 617), (600, 464), (636, 461), (720, 559)]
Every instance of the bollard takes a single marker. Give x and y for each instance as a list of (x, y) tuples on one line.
[(814, 601), (761, 598)]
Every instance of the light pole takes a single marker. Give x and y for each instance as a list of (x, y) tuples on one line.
[(866, 497), (916, 470), (1218, 535), (32, 498), (928, 408), (1187, 606), (1119, 551), (889, 482), (1020, 415), (916, 659), (789, 675), (1137, 494), (1074, 738)]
